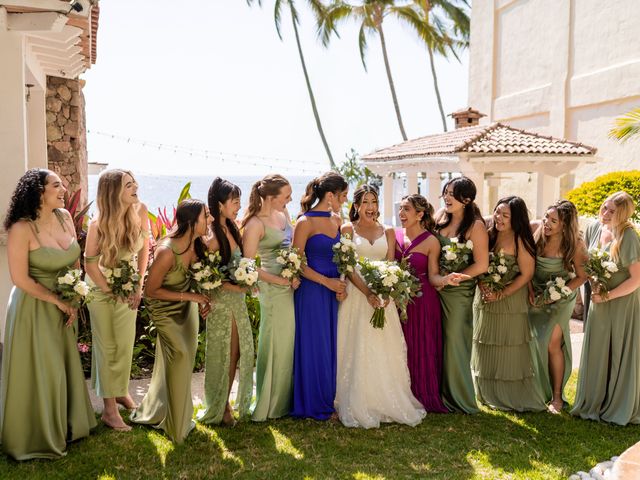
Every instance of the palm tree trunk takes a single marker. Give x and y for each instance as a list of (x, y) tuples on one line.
[(391, 86), (435, 86), (309, 89)]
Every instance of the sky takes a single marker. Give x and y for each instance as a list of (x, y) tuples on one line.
[(213, 76)]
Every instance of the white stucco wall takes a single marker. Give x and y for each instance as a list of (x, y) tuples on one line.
[(565, 68)]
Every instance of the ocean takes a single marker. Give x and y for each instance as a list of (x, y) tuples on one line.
[(159, 191)]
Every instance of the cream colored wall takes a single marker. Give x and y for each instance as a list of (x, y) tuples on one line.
[(565, 68)]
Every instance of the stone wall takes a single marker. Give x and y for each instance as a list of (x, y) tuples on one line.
[(67, 133)]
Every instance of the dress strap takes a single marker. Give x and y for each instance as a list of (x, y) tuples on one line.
[(400, 238), (317, 213), (60, 218), (35, 230), (416, 241)]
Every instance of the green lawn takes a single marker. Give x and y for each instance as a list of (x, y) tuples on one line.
[(489, 445)]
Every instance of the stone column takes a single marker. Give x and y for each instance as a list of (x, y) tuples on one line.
[(412, 182), (387, 194), (66, 133)]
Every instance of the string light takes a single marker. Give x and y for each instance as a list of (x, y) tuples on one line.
[(238, 158)]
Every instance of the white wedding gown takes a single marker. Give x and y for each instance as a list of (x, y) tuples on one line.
[(373, 383)]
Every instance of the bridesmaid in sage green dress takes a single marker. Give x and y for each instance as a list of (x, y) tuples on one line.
[(267, 230), (609, 379), (561, 253), (229, 335), (504, 360), (173, 310), (44, 401), (121, 218), (461, 219)]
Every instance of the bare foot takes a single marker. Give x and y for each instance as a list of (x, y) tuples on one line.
[(116, 423), (228, 419), (555, 407), (127, 402)]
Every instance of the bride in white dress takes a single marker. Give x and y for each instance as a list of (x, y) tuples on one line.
[(373, 383)]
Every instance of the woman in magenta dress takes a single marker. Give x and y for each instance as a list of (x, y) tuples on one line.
[(423, 328), (316, 299)]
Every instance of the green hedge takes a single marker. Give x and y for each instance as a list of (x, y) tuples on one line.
[(589, 196)]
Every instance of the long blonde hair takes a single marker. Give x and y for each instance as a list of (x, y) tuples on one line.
[(269, 186), (620, 221), (118, 224)]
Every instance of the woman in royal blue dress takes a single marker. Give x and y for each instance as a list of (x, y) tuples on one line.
[(316, 300)]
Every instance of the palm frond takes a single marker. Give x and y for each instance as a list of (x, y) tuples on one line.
[(626, 126), (333, 15), (277, 16)]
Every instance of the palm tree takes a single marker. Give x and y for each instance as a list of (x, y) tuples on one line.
[(444, 27), (626, 126), (370, 14), (318, 10)]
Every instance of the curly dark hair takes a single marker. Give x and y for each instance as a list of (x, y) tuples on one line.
[(27, 197)]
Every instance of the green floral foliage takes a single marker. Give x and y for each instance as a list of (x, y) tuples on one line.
[(589, 196)]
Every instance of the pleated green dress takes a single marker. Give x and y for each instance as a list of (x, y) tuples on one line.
[(44, 401), (457, 337), (504, 360), (544, 319), (225, 307), (609, 379), (113, 333), (274, 366), (168, 405)]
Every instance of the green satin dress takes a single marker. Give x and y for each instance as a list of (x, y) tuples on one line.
[(609, 379), (504, 360), (274, 366), (227, 306), (544, 319), (44, 401), (457, 337), (168, 404), (113, 333)]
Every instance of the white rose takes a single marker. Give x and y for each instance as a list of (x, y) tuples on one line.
[(560, 282), (240, 274), (496, 277), (454, 240), (297, 264), (252, 278), (572, 275), (469, 244), (281, 260), (108, 273), (286, 273), (450, 255), (293, 257), (117, 272), (196, 266), (207, 286), (566, 290), (502, 261), (69, 279), (611, 267), (127, 287), (212, 257), (349, 268), (81, 288), (345, 248), (554, 295), (502, 269), (607, 275), (198, 276), (337, 245)]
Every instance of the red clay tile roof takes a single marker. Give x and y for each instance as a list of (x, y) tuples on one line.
[(495, 138)]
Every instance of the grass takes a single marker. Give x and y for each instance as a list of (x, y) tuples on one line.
[(489, 445)]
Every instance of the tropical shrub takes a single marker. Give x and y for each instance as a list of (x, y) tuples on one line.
[(589, 196)]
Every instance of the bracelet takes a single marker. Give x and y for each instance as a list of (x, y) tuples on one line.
[(181, 296)]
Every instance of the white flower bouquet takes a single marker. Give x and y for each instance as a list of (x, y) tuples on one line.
[(555, 289), (243, 271), (292, 261), (456, 256), (501, 271), (207, 274), (345, 255), (600, 267), (124, 278), (389, 280), (71, 288)]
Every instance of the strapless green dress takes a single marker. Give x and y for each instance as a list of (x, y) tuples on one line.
[(44, 401), (168, 404)]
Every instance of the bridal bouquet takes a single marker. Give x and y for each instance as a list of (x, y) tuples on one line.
[(72, 288), (498, 274), (345, 255), (389, 280), (292, 262), (123, 278), (243, 271), (206, 274), (455, 257), (599, 267), (554, 290)]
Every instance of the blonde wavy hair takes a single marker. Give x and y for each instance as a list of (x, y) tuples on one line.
[(620, 221), (118, 224)]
